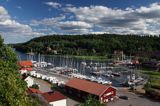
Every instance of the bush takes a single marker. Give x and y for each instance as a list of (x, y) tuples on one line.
[(153, 93), (35, 86), (91, 101)]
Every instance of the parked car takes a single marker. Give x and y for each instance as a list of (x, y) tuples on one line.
[(123, 97)]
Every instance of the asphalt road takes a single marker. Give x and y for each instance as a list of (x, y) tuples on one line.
[(44, 86), (49, 73), (71, 102), (133, 100)]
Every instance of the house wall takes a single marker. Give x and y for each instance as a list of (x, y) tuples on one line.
[(23, 71), (29, 81), (108, 95), (59, 103), (80, 94)]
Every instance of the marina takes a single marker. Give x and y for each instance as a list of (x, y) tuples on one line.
[(85, 53), (121, 77), (100, 72)]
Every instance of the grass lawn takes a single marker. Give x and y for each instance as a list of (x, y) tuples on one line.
[(155, 83), (154, 78), (153, 74), (96, 58)]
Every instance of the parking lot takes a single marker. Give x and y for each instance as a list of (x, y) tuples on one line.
[(133, 100), (44, 86)]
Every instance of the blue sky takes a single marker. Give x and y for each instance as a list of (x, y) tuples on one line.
[(21, 20)]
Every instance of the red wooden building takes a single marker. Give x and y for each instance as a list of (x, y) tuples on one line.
[(25, 65), (83, 88), (32, 90), (53, 96)]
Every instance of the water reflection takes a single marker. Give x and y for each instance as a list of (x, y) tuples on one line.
[(85, 67)]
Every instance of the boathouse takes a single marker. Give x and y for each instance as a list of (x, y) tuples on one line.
[(30, 81), (55, 98), (33, 90), (83, 88), (25, 65)]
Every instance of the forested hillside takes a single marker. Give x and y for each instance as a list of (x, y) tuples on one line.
[(12, 87), (91, 44)]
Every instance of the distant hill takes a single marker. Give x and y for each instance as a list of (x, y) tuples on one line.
[(90, 44)]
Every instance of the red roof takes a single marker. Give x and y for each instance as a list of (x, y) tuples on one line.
[(32, 90), (87, 86), (25, 63), (53, 96), (28, 69)]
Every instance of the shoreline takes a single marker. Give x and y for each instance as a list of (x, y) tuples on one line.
[(83, 57)]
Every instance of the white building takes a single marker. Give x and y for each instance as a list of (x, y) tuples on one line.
[(59, 103), (23, 71), (55, 98), (30, 81)]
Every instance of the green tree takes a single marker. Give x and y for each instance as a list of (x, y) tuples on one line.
[(92, 102), (12, 87), (84, 44), (35, 86)]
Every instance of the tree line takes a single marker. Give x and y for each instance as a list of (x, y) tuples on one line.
[(102, 44)]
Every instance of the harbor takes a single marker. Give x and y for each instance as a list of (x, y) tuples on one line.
[(85, 53), (59, 70), (121, 77), (100, 72)]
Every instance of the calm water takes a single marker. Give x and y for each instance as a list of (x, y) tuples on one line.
[(71, 62), (58, 60)]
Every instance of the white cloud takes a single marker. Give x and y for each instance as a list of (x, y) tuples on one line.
[(53, 4), (2, 10), (125, 21), (48, 21), (3, 14), (94, 13), (10, 27), (6, 0), (142, 20), (19, 7), (75, 27), (69, 27), (69, 5), (83, 20)]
